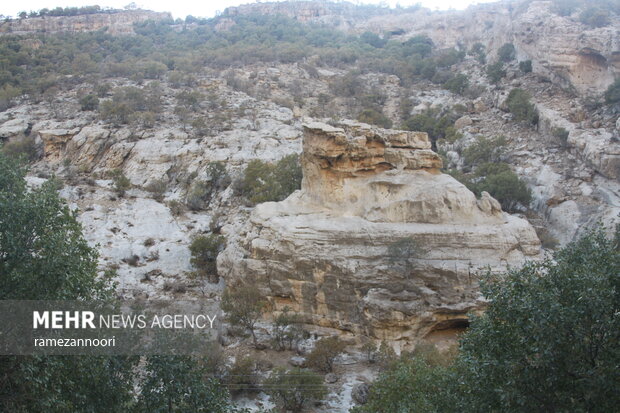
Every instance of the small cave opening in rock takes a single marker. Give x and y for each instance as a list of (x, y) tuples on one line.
[(445, 334)]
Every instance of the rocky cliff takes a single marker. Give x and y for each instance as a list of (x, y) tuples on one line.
[(377, 241), (562, 48), (115, 23)]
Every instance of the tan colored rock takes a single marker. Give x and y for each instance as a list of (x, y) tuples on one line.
[(462, 122), (324, 250), (120, 22)]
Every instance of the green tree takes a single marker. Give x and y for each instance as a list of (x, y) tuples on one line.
[(411, 384), (45, 257), (324, 353), (496, 72), (180, 384), (518, 103), (89, 102), (294, 389), (204, 250), (263, 182), (548, 341), (244, 306), (612, 94), (507, 188), (506, 53)]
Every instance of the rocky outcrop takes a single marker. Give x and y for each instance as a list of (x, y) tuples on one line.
[(114, 22), (561, 48), (331, 250)]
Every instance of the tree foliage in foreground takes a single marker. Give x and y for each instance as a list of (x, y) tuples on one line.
[(548, 342), (43, 256)]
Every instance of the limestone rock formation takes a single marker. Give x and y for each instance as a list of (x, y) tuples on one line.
[(325, 250), (114, 22)]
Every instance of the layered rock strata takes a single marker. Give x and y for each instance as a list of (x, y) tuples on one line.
[(329, 250)]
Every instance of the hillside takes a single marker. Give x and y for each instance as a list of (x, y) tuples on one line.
[(483, 137)]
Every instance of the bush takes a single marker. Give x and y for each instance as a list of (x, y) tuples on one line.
[(507, 188), (157, 188), (264, 182), (374, 117), (561, 134), (496, 72), (324, 353), (525, 66), (484, 150), (438, 125), (457, 84), (21, 146), (89, 102), (204, 250), (287, 330), (477, 50), (518, 103), (412, 384), (244, 306), (201, 192), (506, 53), (612, 94), (242, 376), (594, 17), (294, 389), (120, 182), (8, 93)]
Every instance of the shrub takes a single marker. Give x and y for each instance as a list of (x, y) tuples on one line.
[(263, 182), (369, 349), (506, 53), (242, 376), (120, 182), (477, 50), (204, 250), (437, 125), (294, 389), (561, 134), (244, 306), (507, 188), (496, 72), (374, 117), (89, 102), (594, 17), (8, 93), (324, 353), (518, 103), (287, 330), (21, 146), (612, 94), (525, 66), (176, 207), (201, 192), (484, 150), (157, 188), (413, 384), (457, 84)]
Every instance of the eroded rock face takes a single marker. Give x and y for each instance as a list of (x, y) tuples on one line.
[(114, 22), (323, 251)]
